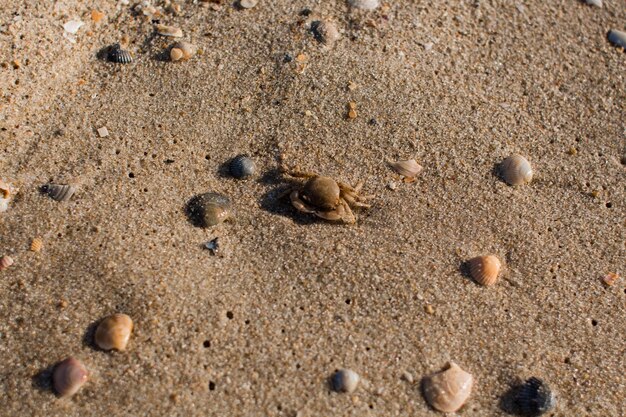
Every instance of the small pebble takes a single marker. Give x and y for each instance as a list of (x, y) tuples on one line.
[(103, 132), (72, 26), (213, 246), (617, 38), (345, 380), (171, 31), (96, 16), (408, 377), (248, 4), (610, 279), (429, 309)]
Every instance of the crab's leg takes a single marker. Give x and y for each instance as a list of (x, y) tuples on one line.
[(333, 215), (347, 214)]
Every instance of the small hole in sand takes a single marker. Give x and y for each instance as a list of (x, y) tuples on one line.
[(211, 386), (594, 322), (206, 343), (348, 301), (131, 175), (609, 205), (247, 321), (230, 315)]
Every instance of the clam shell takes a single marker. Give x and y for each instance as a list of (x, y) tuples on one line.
[(114, 332), (597, 3), (364, 4), (241, 166), (516, 170), (485, 269), (5, 262), (182, 51), (248, 4), (409, 168), (68, 376), (617, 38), (171, 31), (118, 55), (345, 380), (209, 209), (448, 390), (534, 398), (325, 32), (59, 192)]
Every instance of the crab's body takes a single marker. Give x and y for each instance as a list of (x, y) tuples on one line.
[(327, 198)]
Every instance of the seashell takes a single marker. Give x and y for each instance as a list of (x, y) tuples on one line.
[(36, 244), (114, 332), (597, 3), (182, 51), (118, 55), (345, 380), (241, 167), (6, 194), (409, 168), (72, 26), (325, 32), (209, 209), (68, 377), (59, 192), (485, 269), (171, 31), (5, 262), (364, 4), (533, 398), (617, 38), (516, 170), (248, 4), (448, 390)]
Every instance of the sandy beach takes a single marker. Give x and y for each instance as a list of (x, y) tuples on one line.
[(258, 327)]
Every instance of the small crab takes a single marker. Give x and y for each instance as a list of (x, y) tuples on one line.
[(326, 198)]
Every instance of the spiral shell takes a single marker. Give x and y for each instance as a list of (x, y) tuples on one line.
[(617, 38), (241, 166), (170, 31), (118, 55), (59, 192), (345, 380), (409, 168), (534, 398), (182, 51), (5, 262), (448, 390), (516, 170), (114, 332), (364, 4), (209, 209), (325, 32), (485, 269), (68, 376)]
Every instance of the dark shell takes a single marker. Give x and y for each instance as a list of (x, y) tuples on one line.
[(208, 209), (533, 398), (241, 167), (59, 192), (119, 55)]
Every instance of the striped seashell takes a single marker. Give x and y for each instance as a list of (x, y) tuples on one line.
[(182, 51), (36, 244), (114, 332), (242, 166), (59, 192), (485, 269), (119, 55), (516, 170), (409, 168), (534, 398), (448, 390), (364, 4), (5, 262), (171, 31), (68, 376), (617, 38)]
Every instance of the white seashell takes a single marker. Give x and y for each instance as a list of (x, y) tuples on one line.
[(182, 51), (345, 380), (5, 262), (114, 332), (171, 31), (485, 269), (6, 194), (617, 38), (68, 377), (516, 170), (409, 168), (72, 26), (597, 3), (248, 4), (364, 4), (448, 390), (59, 192)]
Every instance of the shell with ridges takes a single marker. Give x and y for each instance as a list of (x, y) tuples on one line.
[(59, 192), (534, 398), (36, 244), (516, 170), (485, 269), (114, 332), (448, 390), (409, 168), (68, 376), (617, 38), (5, 262), (241, 166), (118, 55), (345, 380), (209, 209), (364, 4)]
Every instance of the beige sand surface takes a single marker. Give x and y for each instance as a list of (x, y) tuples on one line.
[(258, 329)]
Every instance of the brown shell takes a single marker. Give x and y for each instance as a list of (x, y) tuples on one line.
[(448, 390), (68, 376), (321, 192), (516, 170), (36, 244), (5, 262), (182, 51), (485, 269), (114, 332)]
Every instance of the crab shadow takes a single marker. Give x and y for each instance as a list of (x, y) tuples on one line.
[(276, 200)]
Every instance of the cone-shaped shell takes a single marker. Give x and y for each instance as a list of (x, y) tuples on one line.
[(114, 332), (345, 380), (485, 269), (448, 390), (516, 170), (59, 192), (5, 262), (409, 168), (617, 38), (68, 377), (182, 51), (364, 4)]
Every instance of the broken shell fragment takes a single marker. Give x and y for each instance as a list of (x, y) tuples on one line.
[(345, 380), (516, 170), (6, 194), (182, 51), (248, 4), (617, 38), (241, 166), (409, 168), (325, 32), (5, 262), (118, 55), (59, 192), (533, 398), (448, 390), (209, 209), (114, 332), (485, 269), (69, 375), (364, 4), (171, 31)]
